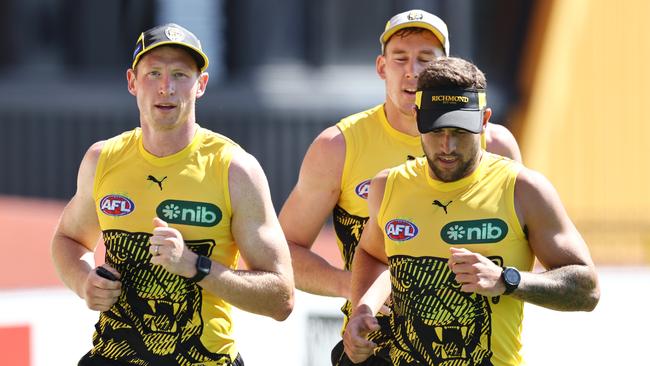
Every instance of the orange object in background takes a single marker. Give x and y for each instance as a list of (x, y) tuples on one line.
[(15, 345), (26, 228)]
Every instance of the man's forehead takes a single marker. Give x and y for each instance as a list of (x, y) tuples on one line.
[(169, 54), (402, 40)]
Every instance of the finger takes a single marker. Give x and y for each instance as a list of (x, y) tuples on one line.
[(358, 356), (455, 250), (102, 283), (157, 222), (471, 287), (466, 280), (165, 232), (359, 345), (158, 260), (463, 268), (107, 295), (460, 254), (370, 323), (385, 310), (154, 250), (103, 304), (110, 268)]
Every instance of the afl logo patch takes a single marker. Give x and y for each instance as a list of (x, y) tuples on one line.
[(362, 189), (116, 205), (401, 230)]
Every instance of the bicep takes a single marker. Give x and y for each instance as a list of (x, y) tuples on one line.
[(552, 235), (254, 225), (317, 191)]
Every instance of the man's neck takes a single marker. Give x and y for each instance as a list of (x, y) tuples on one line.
[(165, 142), (404, 123)]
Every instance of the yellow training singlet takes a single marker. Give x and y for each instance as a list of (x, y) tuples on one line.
[(161, 318), (371, 145), (433, 322)]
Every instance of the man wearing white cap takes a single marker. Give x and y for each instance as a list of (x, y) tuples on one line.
[(337, 168), (459, 272)]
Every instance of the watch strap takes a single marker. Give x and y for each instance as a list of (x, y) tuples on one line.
[(203, 265)]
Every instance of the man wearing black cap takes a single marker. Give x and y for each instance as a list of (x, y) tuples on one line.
[(338, 166), (176, 204), (453, 236)]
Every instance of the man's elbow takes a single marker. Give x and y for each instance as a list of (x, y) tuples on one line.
[(592, 291), (593, 297), (285, 307)]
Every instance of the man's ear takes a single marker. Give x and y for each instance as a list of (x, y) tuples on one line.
[(203, 84), (380, 66), (130, 81), (487, 113)]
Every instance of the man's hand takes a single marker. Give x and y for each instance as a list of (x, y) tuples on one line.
[(169, 251), (476, 273), (101, 293), (357, 346)]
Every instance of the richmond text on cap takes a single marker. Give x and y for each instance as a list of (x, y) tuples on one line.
[(450, 108)]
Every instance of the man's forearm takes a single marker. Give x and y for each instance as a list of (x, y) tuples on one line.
[(315, 275), (260, 292), (569, 288), (370, 282), (72, 262)]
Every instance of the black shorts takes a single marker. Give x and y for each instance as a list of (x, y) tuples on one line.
[(90, 360), (339, 358)]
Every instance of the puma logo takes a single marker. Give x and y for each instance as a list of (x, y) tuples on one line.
[(439, 204), (159, 182)]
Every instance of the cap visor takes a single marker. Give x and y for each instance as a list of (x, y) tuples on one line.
[(429, 120)]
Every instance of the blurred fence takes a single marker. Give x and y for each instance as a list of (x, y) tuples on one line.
[(41, 147)]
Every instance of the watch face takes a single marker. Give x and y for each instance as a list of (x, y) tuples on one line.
[(203, 264), (511, 276)]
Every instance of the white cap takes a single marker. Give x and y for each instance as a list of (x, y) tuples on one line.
[(418, 19)]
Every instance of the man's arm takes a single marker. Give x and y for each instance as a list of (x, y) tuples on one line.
[(306, 209), (370, 279), (267, 287), (75, 240), (501, 141), (570, 282)]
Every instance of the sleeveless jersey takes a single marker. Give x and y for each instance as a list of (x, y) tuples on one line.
[(161, 318), (371, 145), (433, 322)]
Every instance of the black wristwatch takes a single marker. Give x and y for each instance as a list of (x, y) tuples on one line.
[(203, 265), (511, 278)]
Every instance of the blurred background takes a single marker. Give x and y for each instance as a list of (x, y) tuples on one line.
[(568, 78)]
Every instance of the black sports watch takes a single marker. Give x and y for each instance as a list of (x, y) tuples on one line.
[(511, 278), (203, 265)]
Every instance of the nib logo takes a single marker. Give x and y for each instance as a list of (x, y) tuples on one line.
[(474, 231), (456, 232), (171, 212), (189, 213)]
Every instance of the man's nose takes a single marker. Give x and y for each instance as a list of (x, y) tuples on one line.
[(448, 143), (413, 69), (166, 86)]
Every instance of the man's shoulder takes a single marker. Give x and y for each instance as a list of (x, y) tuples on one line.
[(361, 118), (499, 132), (211, 137)]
